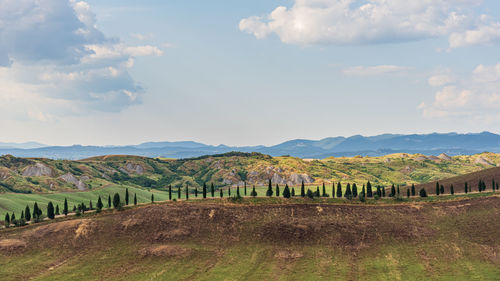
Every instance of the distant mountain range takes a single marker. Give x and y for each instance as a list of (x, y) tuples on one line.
[(429, 144)]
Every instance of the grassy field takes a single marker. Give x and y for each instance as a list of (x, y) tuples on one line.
[(264, 240)]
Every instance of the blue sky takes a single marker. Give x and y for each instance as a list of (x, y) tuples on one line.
[(246, 73)]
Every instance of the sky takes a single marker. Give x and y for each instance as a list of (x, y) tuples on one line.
[(114, 72)]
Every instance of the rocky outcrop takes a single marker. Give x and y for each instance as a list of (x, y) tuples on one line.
[(38, 170), (483, 161), (78, 183), (444, 157), (134, 168)]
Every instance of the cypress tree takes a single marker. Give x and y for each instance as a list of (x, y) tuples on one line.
[(50, 211), (412, 189), (74, 208), (204, 190), (302, 190), (379, 191), (253, 193), (135, 199), (170, 192), (221, 193), (393, 191), (27, 213), (187, 192), (317, 194), (153, 197), (423, 193), (348, 192), (179, 193), (362, 195), (212, 189), (339, 190), (493, 184), (99, 203), (196, 192), (369, 192), (466, 188), (116, 201), (109, 201), (229, 191), (354, 190), (398, 190), (408, 193), (437, 188), (333, 189), (363, 191), (65, 207), (7, 220), (238, 191), (22, 215), (277, 191), (293, 192), (383, 191), (245, 188), (35, 211), (269, 191), (441, 189), (286, 192), (126, 196), (13, 218), (324, 190), (90, 205), (452, 190), (57, 210)]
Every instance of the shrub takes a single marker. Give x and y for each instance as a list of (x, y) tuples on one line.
[(423, 193), (310, 194), (286, 192), (253, 193)]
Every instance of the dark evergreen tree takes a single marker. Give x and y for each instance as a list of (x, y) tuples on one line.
[(393, 191), (170, 192), (187, 192), (452, 190), (126, 196), (212, 189), (369, 192), (196, 192), (362, 195), (423, 193), (293, 192), (204, 191), (324, 191), (310, 194), (317, 194), (65, 207), (91, 207), (286, 192), (57, 210), (466, 188), (339, 190), (109, 201), (179, 193), (354, 190), (437, 188), (13, 218), (383, 191), (348, 192), (27, 213), (412, 189), (153, 197), (245, 188), (493, 184), (36, 212), (333, 189), (253, 193), (7, 220), (74, 208), (22, 215), (408, 193), (221, 192), (50, 211), (99, 203), (398, 191), (238, 191), (379, 191), (116, 201), (302, 190), (229, 191), (441, 189), (135, 199), (269, 191), (277, 190)]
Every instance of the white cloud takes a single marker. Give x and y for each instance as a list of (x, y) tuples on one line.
[(373, 70), (476, 97), (346, 22), (57, 63), (439, 80), (482, 35)]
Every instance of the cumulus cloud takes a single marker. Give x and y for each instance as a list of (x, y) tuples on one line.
[(54, 61), (346, 22), (439, 80), (373, 70), (476, 96)]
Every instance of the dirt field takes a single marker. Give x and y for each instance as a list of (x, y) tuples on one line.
[(224, 241)]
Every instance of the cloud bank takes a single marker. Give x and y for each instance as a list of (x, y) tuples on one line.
[(357, 22), (54, 61)]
